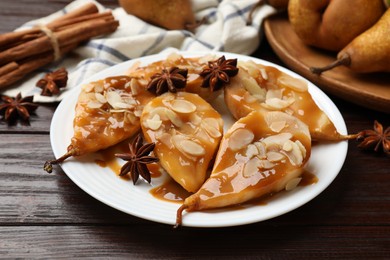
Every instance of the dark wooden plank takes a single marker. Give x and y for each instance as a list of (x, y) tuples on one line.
[(157, 242)]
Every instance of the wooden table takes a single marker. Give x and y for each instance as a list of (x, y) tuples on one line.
[(47, 216)]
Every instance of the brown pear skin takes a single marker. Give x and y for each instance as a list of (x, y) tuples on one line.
[(332, 24), (369, 52), (169, 14)]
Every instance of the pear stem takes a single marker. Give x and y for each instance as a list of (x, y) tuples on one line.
[(179, 215), (344, 60), (48, 166)]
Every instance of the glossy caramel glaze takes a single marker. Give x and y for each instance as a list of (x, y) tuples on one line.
[(277, 91), (230, 183), (187, 131), (99, 125)]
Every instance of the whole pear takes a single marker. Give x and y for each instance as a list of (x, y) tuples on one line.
[(169, 14), (369, 52), (332, 24)]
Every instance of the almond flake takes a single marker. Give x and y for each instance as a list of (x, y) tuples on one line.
[(154, 123), (94, 104), (277, 126), (251, 167), (295, 155), (183, 106), (113, 98), (274, 156), (294, 83), (240, 138), (100, 98), (192, 148), (174, 118), (261, 150), (251, 151), (264, 74)]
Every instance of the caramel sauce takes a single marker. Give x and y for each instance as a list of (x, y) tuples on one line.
[(170, 191), (110, 161), (308, 178), (187, 169)]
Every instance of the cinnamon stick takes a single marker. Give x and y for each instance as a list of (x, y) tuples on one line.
[(88, 9), (30, 65), (8, 68), (24, 51), (76, 34)]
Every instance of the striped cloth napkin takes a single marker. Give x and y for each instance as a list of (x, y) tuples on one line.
[(225, 30)]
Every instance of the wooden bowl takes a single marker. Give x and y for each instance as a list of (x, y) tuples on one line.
[(368, 90)]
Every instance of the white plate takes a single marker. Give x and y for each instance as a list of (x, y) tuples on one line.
[(102, 183)]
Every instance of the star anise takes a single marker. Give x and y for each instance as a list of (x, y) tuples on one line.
[(12, 108), (52, 82), (137, 159), (218, 73), (375, 138), (168, 80)]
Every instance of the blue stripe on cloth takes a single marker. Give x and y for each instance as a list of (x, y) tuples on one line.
[(238, 12), (84, 65), (158, 40), (100, 46)]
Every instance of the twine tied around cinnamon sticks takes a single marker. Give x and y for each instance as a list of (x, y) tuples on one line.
[(22, 52)]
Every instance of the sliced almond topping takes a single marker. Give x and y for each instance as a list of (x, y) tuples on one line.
[(287, 146), (99, 97), (211, 126), (94, 104), (173, 117), (251, 151), (183, 106), (274, 156), (134, 86), (250, 66), (252, 86), (274, 93), (301, 147), (240, 139), (249, 98), (98, 88), (161, 111), (278, 139), (293, 83), (192, 148), (278, 104), (138, 112), (113, 98), (277, 126), (195, 119), (251, 167), (154, 123), (88, 87), (265, 164), (295, 155), (293, 183), (264, 74), (261, 150)]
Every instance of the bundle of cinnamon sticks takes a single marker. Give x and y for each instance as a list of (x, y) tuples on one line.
[(22, 52)]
